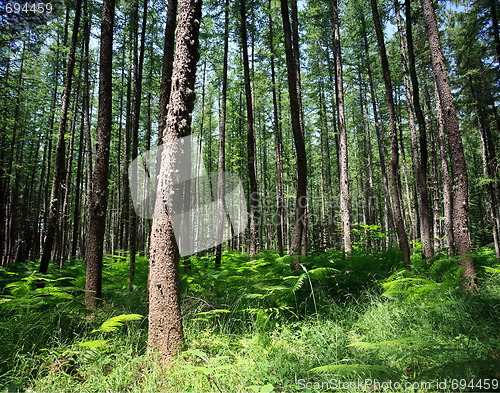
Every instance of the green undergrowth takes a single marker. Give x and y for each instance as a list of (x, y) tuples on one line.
[(254, 325)]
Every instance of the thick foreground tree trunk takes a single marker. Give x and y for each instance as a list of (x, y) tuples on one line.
[(457, 156), (165, 332)]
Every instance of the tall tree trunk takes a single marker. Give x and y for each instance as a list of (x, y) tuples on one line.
[(86, 101), (420, 173), (457, 156), (415, 89), (222, 143), (434, 180), (496, 34), (99, 192), (328, 189), (278, 145), (447, 186), (135, 143), (389, 222), (393, 164), (64, 218), (78, 191), (345, 208), (251, 148), (8, 175), (300, 225), (60, 155), (165, 332), (368, 162), (488, 168)]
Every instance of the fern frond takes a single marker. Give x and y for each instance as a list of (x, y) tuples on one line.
[(400, 343), (321, 272), (95, 344), (299, 283), (112, 324), (350, 370)]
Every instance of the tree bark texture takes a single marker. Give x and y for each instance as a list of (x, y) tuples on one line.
[(60, 154), (457, 156), (300, 226), (278, 146), (345, 205), (418, 158), (393, 171), (165, 333), (222, 142), (99, 192), (251, 147)]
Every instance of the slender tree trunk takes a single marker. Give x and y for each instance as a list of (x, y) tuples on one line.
[(488, 168), (127, 144), (328, 189), (434, 180), (393, 164), (59, 159), (7, 207), (278, 145), (300, 225), (416, 94), (135, 144), (64, 219), (345, 206), (165, 332), (496, 34), (78, 191), (420, 174), (86, 101), (368, 162), (99, 192), (457, 156), (389, 222), (222, 143), (251, 147), (447, 186)]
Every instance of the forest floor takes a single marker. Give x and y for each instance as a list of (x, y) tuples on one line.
[(357, 324)]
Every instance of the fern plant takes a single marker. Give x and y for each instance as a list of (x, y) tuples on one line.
[(110, 325), (25, 293)]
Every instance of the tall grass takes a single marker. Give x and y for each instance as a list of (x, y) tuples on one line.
[(254, 326)]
